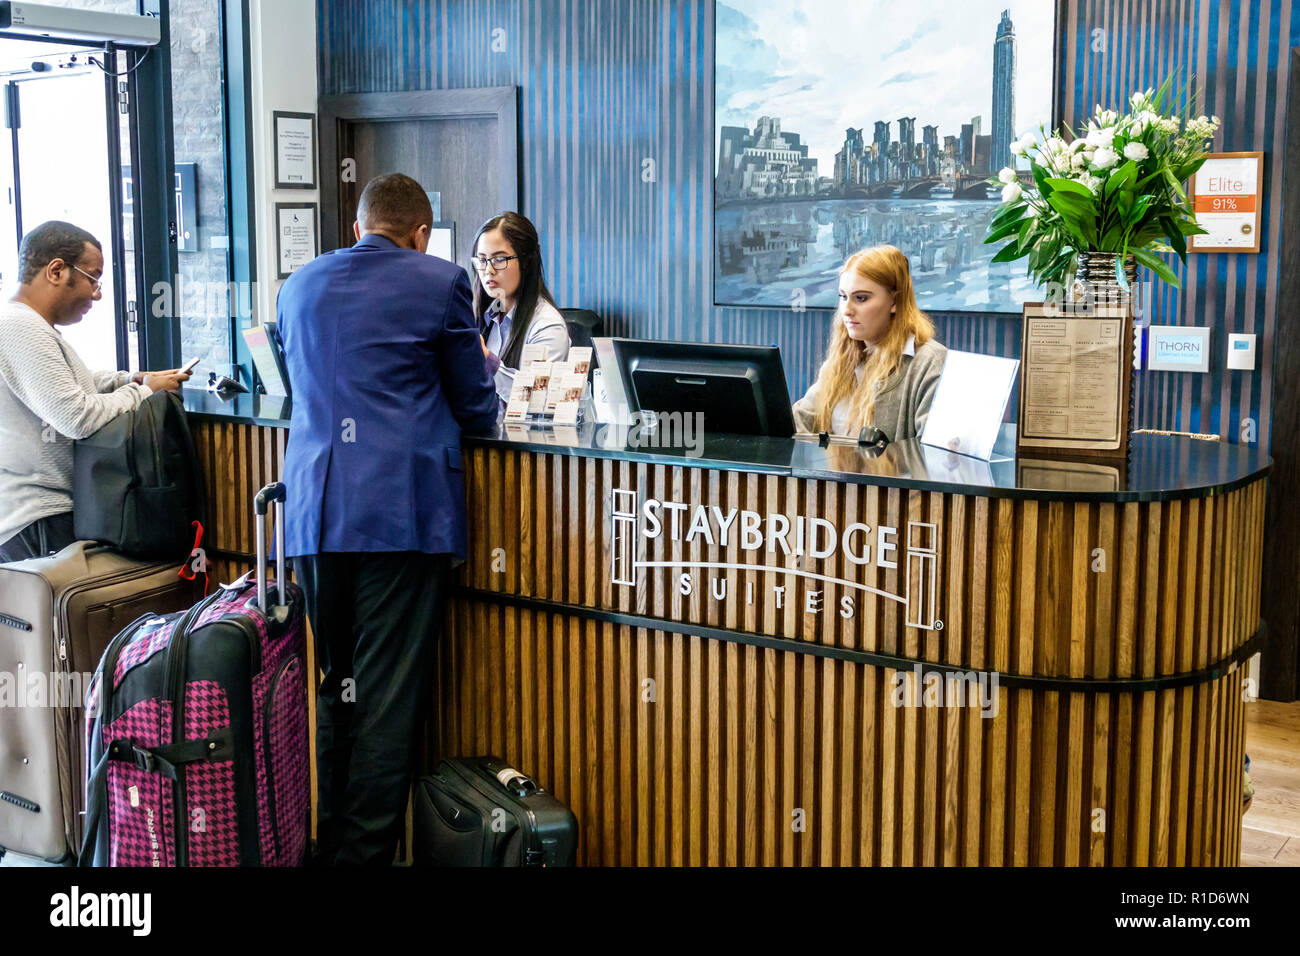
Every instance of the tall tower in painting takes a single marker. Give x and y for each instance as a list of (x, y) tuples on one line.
[(1004, 93)]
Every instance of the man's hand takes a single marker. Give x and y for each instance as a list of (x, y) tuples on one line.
[(169, 380)]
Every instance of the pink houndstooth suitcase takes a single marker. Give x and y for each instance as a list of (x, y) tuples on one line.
[(197, 729)]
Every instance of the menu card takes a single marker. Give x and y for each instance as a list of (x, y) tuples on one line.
[(1072, 378)]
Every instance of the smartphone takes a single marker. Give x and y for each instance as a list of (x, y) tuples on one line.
[(189, 366)]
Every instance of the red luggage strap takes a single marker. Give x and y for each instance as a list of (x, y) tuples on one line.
[(198, 559)]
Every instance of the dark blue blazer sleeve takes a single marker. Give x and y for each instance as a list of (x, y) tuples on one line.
[(467, 385)]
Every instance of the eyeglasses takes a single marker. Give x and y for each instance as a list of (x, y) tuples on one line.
[(497, 263), (95, 284)]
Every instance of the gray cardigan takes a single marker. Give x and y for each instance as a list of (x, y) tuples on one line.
[(903, 401), (48, 398)]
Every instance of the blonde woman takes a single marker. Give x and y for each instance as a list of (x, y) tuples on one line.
[(883, 363)]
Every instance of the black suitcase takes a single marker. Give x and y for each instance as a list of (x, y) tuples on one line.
[(479, 811)]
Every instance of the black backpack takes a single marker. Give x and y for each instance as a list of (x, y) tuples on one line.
[(136, 483)]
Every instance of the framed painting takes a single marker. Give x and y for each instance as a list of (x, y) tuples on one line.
[(827, 142)]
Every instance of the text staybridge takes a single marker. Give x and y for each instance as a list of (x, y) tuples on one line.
[(815, 539)]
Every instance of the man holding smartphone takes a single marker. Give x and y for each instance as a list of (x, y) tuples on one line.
[(48, 398), (387, 369)]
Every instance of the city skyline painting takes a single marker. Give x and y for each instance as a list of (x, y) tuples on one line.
[(838, 128)]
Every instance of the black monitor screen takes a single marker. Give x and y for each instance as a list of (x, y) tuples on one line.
[(737, 388)]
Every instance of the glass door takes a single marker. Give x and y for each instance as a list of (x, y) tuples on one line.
[(59, 163)]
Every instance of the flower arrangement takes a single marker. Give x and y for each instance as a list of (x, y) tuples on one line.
[(1116, 187)]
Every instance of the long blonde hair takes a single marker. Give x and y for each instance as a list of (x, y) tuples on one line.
[(887, 267)]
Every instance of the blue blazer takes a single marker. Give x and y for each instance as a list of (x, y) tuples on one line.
[(386, 368)]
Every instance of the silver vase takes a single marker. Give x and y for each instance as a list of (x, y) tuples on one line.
[(1095, 282)]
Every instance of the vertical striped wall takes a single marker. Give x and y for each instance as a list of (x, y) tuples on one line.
[(606, 87), (1238, 53)]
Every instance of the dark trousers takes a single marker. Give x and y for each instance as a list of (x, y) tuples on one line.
[(376, 618), (39, 538)]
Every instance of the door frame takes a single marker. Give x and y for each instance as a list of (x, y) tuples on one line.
[(338, 111), (115, 239)]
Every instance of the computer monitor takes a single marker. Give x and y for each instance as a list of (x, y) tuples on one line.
[(739, 388)]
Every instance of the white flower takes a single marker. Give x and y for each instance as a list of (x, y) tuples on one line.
[(1007, 175), (1105, 158), (1089, 155), (1078, 161), (1018, 148), (1093, 183), (1169, 125), (1078, 144), (1011, 192), (1201, 128), (1100, 138), (1055, 145), (1106, 117), (1136, 152)]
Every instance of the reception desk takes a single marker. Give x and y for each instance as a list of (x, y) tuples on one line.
[(762, 651)]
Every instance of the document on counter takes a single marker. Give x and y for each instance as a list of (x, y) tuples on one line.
[(521, 396), (969, 403), (1073, 378)]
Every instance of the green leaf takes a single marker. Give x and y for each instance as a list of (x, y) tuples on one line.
[(1008, 212), (1009, 253), (1140, 208), (1070, 186), (1040, 179), (1002, 232), (1175, 185), (1120, 277), (1121, 178), (1071, 205), (1156, 265), (1175, 237)]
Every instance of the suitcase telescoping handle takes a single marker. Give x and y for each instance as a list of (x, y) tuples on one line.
[(273, 492)]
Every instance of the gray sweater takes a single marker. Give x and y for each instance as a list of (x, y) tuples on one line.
[(902, 403), (48, 398)]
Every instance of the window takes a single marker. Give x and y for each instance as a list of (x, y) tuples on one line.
[(94, 149)]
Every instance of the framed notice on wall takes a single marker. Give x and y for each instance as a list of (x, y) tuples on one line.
[(295, 236), (295, 150), (1076, 380), (1225, 194)]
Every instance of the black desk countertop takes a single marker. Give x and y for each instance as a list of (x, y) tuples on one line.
[(1161, 468), (240, 408)]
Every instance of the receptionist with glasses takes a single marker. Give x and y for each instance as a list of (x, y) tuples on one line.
[(511, 302)]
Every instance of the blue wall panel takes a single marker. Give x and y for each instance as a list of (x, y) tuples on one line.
[(606, 86)]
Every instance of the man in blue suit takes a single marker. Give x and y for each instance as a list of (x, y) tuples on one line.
[(387, 369)]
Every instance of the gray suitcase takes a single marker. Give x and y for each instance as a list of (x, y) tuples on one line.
[(57, 614)]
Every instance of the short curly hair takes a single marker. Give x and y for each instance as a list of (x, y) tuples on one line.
[(49, 241)]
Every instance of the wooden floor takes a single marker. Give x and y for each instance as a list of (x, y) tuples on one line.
[(1271, 827)]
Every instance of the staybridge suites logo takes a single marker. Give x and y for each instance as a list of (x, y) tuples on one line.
[(804, 537)]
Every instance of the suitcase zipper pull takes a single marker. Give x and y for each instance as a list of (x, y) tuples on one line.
[(63, 648)]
